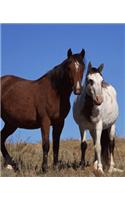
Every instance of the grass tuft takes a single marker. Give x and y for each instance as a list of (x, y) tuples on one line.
[(29, 159)]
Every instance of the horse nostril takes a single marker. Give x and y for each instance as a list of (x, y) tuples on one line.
[(99, 99), (77, 91), (77, 88)]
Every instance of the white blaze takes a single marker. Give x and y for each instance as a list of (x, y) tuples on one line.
[(77, 85), (77, 65)]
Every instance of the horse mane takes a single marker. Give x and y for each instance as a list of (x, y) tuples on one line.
[(105, 84), (94, 70), (58, 77), (55, 71)]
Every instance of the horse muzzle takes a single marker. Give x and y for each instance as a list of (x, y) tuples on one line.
[(77, 89), (77, 92), (98, 100)]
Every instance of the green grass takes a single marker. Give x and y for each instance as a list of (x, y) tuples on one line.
[(29, 159)]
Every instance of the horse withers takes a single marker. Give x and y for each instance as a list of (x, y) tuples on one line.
[(96, 109), (40, 103)]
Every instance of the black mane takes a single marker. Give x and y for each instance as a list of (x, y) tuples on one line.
[(94, 70)]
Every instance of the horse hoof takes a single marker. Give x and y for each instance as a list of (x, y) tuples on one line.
[(100, 171), (82, 165), (88, 164), (12, 166), (111, 170), (9, 167), (96, 165), (15, 167), (56, 167), (44, 169)]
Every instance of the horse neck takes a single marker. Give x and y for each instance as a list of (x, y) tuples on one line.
[(88, 102), (61, 80), (89, 109), (57, 77)]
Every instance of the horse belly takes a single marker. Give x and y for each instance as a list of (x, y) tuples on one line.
[(109, 114), (109, 119), (18, 107), (22, 117), (59, 115), (80, 119), (57, 107)]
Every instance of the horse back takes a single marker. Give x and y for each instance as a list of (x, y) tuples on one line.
[(17, 100), (27, 102), (8, 81)]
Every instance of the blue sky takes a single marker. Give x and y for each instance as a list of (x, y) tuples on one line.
[(32, 49)]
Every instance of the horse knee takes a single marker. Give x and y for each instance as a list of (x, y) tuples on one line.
[(83, 150), (3, 138), (83, 146), (111, 145), (45, 156), (98, 148), (3, 148), (46, 147)]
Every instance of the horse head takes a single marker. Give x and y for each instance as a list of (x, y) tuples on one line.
[(75, 68), (94, 82)]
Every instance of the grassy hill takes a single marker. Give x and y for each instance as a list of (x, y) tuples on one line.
[(29, 159)]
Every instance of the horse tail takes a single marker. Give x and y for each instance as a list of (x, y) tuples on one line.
[(105, 142)]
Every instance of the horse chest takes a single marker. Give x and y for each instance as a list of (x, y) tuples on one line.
[(58, 109), (109, 116), (88, 122)]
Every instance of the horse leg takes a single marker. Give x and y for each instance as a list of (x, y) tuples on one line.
[(93, 135), (6, 131), (83, 146), (111, 147), (45, 127), (97, 143), (57, 129), (105, 140)]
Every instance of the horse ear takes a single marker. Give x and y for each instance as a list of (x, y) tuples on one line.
[(100, 68), (82, 54), (89, 67), (69, 53)]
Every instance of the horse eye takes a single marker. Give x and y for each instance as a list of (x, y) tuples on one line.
[(90, 81)]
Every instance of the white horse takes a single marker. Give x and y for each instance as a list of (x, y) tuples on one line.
[(96, 109)]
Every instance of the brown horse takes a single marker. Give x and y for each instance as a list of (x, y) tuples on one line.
[(40, 103)]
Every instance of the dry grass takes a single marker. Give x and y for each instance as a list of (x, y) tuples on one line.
[(29, 158)]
